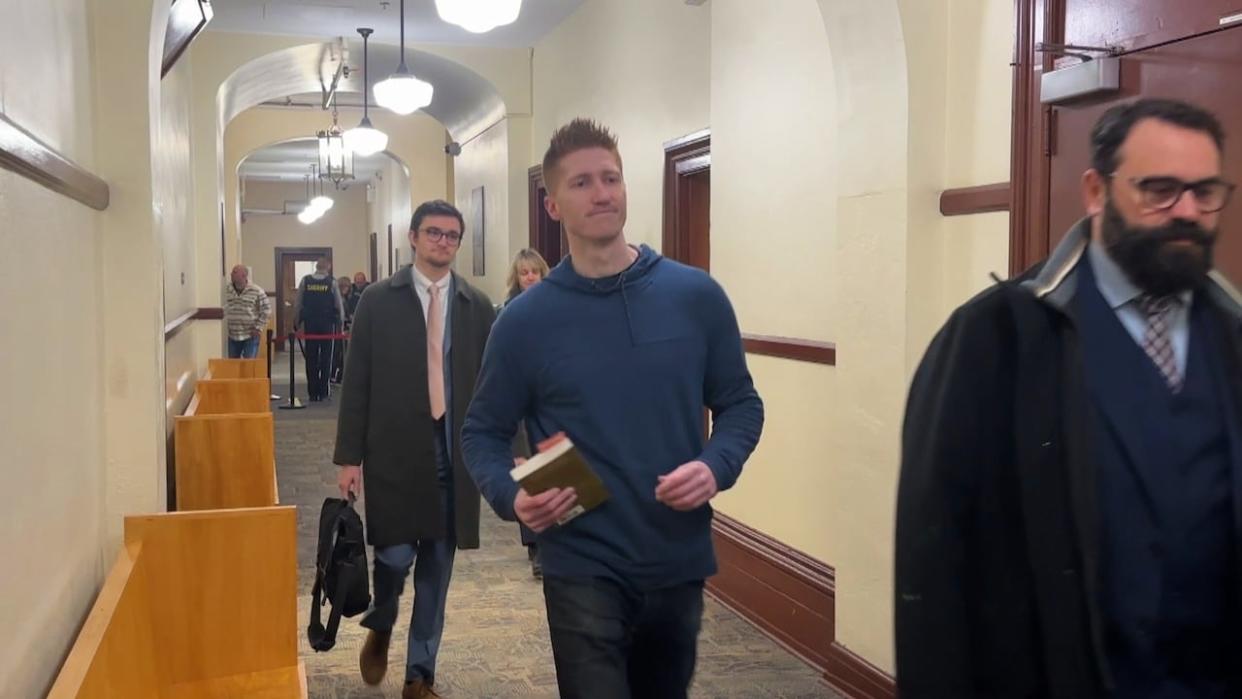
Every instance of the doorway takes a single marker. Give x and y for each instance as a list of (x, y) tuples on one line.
[(546, 235), (688, 200), (291, 265)]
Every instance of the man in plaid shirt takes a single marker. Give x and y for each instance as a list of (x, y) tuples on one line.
[(245, 313)]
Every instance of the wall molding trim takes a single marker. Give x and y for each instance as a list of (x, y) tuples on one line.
[(791, 597), (963, 201), (797, 349), (176, 325), (23, 153)]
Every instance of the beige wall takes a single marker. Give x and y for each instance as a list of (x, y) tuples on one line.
[(174, 189), (981, 36), (343, 229), (390, 205), (83, 423), (416, 140), (219, 54), (484, 163), (774, 247), (50, 417), (642, 67)]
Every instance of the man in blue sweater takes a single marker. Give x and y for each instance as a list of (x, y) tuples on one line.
[(620, 349)]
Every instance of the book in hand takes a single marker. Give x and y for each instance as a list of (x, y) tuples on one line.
[(560, 465)]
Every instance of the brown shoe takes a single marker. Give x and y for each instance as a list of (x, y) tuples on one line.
[(418, 689), (373, 661)]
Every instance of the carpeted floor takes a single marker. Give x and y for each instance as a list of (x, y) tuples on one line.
[(495, 640)]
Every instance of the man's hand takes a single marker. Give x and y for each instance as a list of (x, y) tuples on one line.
[(538, 512), (349, 480), (255, 333), (688, 487)]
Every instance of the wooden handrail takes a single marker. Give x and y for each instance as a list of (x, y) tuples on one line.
[(23, 153)]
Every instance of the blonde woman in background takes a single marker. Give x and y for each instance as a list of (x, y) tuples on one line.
[(529, 268)]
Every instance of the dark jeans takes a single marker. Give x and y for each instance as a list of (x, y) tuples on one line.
[(318, 364), (611, 642), (244, 349), (432, 560)]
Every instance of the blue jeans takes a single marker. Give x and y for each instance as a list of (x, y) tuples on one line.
[(612, 642), (433, 569), (243, 349)]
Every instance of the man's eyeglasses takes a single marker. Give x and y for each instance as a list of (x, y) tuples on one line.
[(435, 234), (1161, 193)]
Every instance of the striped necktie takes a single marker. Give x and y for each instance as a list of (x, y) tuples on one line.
[(1157, 340)]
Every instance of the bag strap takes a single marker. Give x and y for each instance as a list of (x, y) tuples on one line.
[(322, 639)]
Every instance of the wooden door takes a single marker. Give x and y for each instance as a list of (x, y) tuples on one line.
[(1203, 70), (287, 284), (1168, 48)]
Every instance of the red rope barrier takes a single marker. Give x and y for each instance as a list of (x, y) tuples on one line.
[(311, 336)]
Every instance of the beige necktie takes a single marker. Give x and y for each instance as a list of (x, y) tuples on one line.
[(435, 353)]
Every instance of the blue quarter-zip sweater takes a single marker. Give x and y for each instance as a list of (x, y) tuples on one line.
[(624, 366)]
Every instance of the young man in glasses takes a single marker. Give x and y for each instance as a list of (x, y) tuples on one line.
[(1068, 512), (400, 423)]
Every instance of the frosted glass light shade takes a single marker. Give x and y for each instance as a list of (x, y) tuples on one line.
[(479, 16), (365, 139), (402, 93)]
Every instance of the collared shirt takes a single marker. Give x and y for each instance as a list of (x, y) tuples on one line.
[(422, 286), (1123, 297), (245, 310)]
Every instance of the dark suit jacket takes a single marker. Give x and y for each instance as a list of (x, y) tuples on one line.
[(998, 521), (385, 416)]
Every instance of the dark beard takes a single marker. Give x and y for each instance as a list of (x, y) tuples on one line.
[(1149, 259)]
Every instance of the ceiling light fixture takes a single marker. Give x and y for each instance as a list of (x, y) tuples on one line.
[(401, 92), (321, 203), (365, 139), (479, 16), (336, 162)]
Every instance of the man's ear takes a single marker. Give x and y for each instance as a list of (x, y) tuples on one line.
[(549, 204), (1094, 192)]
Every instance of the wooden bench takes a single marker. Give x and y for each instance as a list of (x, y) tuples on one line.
[(198, 605), (224, 461), (221, 396), (236, 368)]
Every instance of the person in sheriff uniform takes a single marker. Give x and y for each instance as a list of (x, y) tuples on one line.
[(319, 311)]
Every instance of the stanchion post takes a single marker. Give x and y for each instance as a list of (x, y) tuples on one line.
[(294, 403), (271, 345)]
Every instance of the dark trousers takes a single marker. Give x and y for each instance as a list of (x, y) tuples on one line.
[(338, 360), (611, 642), (318, 364), (432, 560)]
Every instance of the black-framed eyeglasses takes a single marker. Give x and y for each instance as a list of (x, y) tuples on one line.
[(1162, 192), (435, 234)]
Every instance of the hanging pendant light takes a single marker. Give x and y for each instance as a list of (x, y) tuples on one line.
[(320, 203), (401, 92), (365, 139), (309, 214), (479, 16), (336, 162)]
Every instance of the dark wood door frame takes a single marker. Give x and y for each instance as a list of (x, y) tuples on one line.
[(374, 261), (300, 253), (546, 235), (683, 158)]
